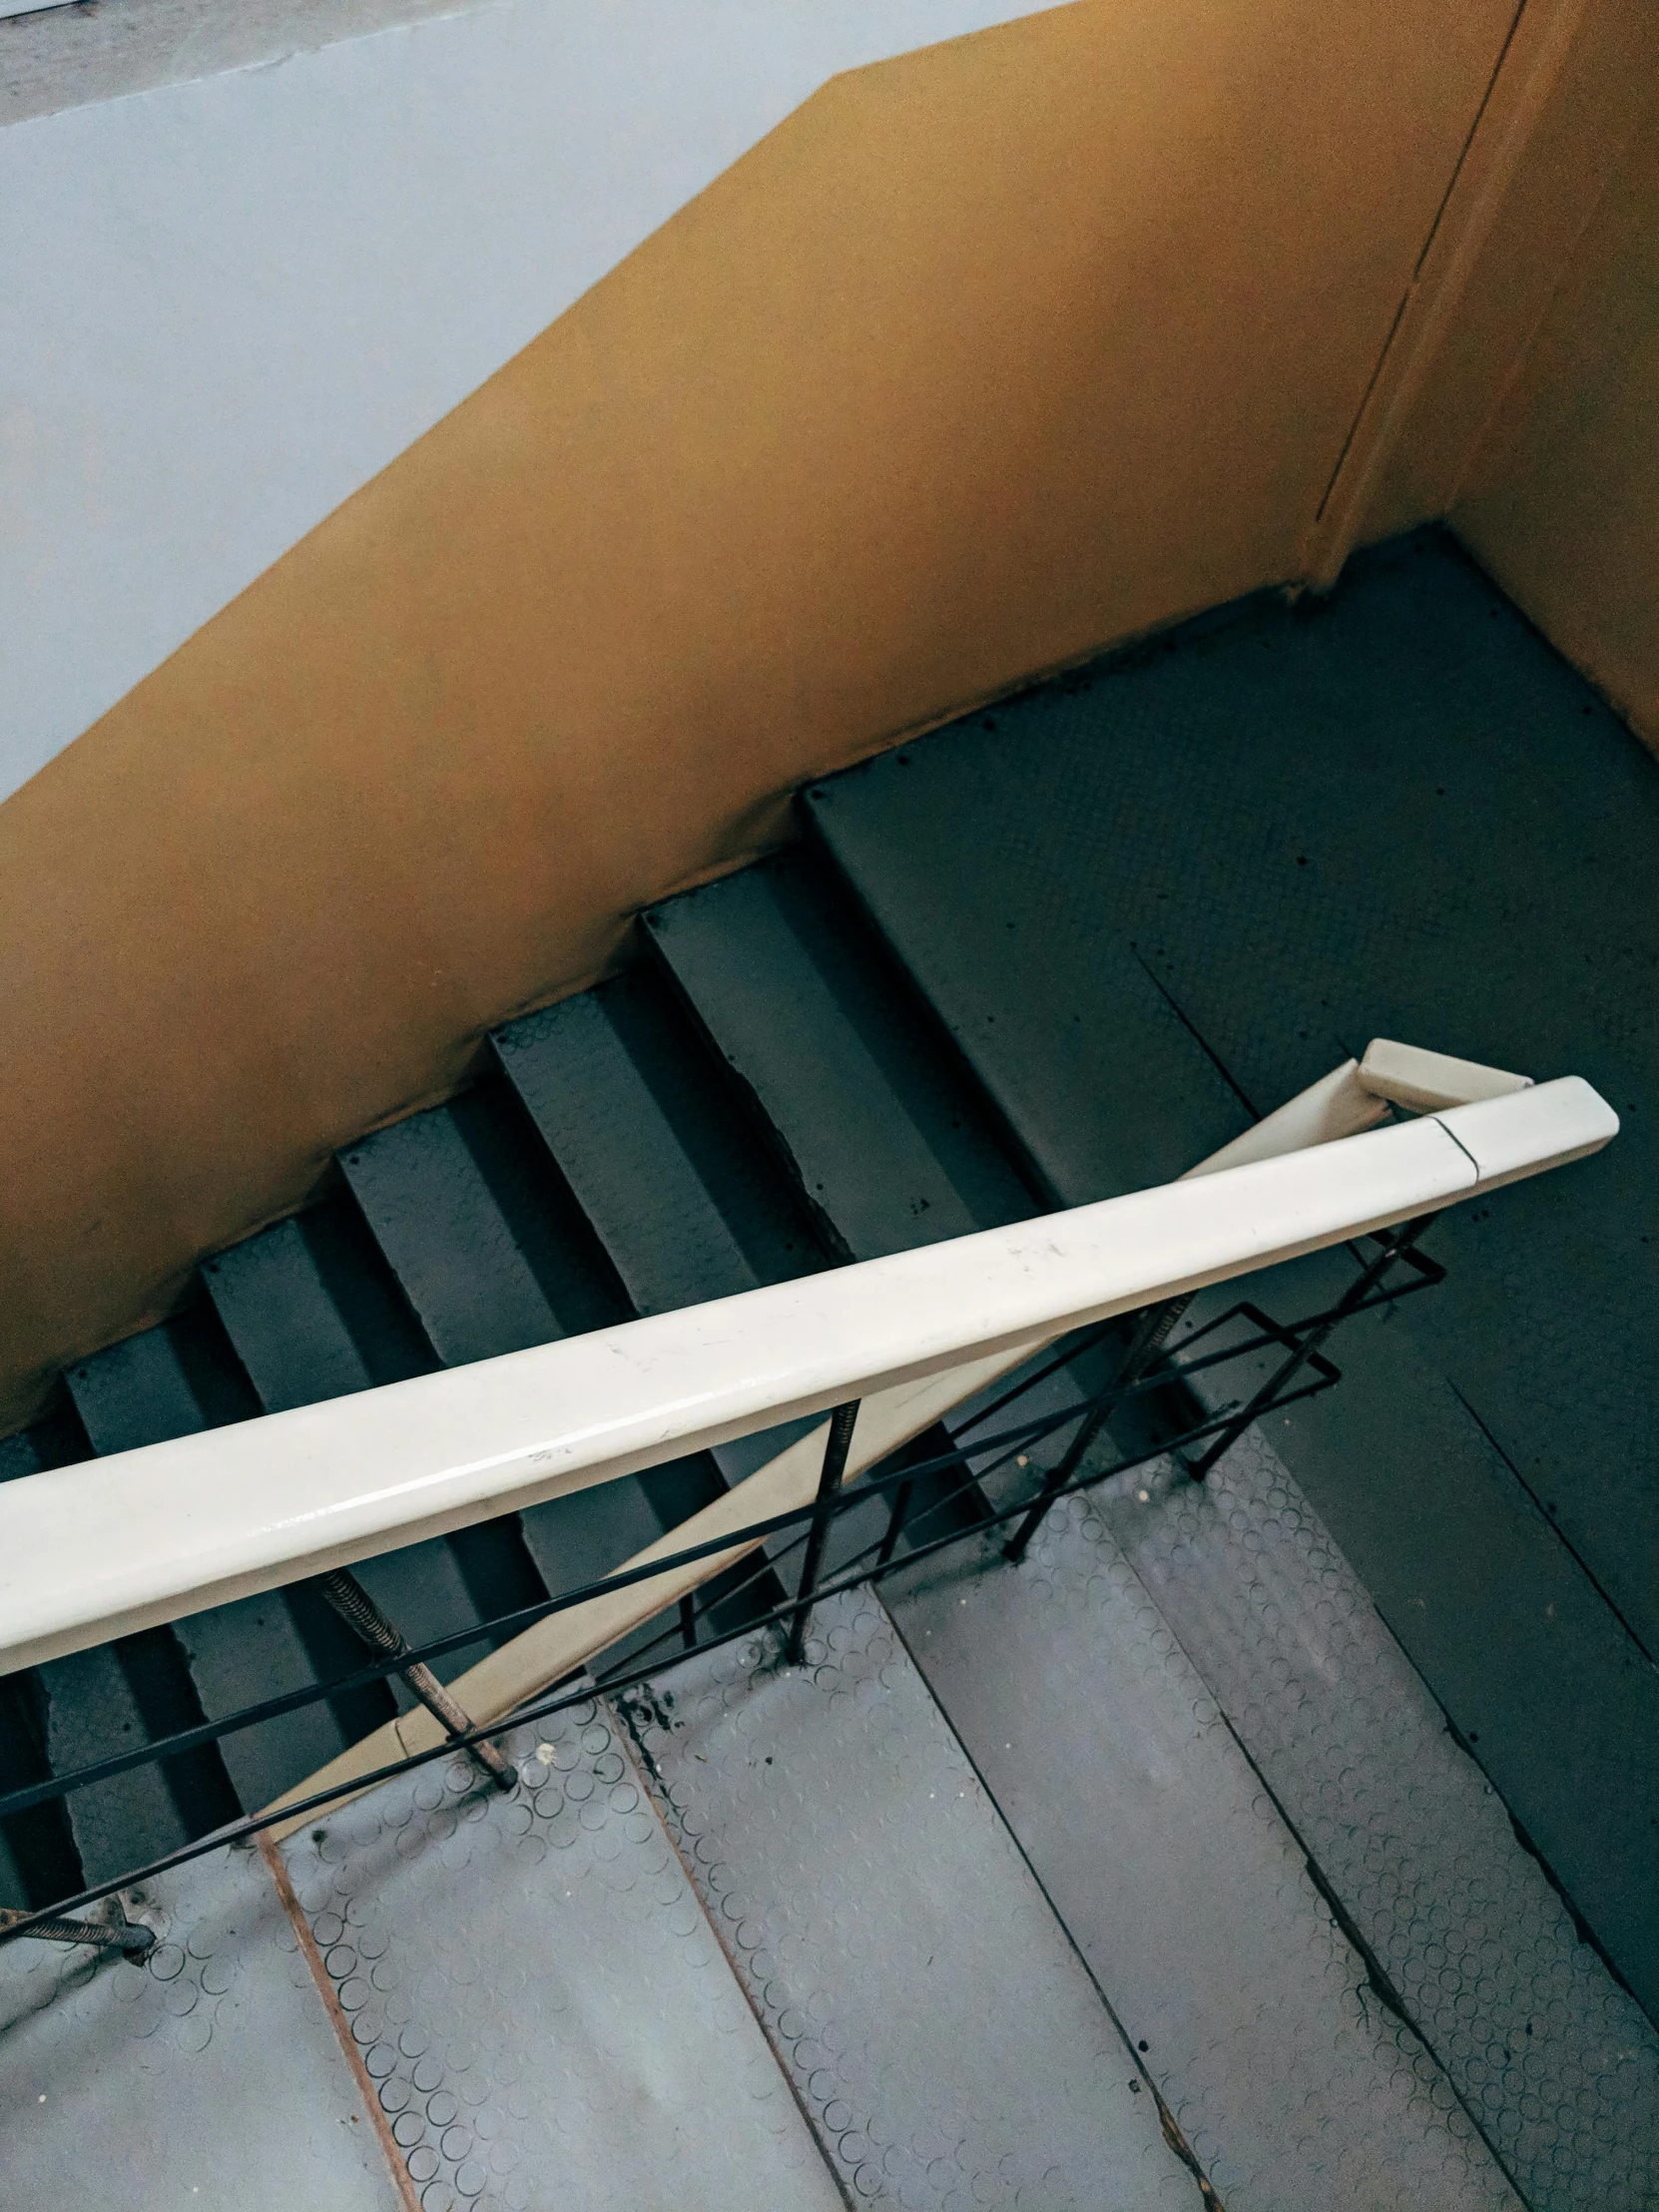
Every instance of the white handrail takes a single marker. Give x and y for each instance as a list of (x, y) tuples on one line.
[(120, 1544)]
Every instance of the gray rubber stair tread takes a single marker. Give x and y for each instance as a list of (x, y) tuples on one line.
[(1556, 2063), (543, 2007), (880, 1136), (673, 1177), (937, 2025), (1182, 1886), (210, 2075), (1566, 1745)]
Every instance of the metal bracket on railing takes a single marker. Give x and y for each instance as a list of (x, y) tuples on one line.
[(131, 1937), (360, 1614)]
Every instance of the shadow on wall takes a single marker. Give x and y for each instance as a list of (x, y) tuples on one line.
[(986, 357)]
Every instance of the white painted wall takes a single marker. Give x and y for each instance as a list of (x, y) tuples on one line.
[(226, 304)]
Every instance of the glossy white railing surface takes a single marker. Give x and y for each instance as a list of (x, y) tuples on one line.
[(120, 1543)]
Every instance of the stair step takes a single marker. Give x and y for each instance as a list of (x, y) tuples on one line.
[(175, 1380), (315, 1313), (1413, 1492), (313, 1310), (493, 1254), (196, 2078), (674, 1179), (55, 1439), (1554, 2061), (940, 2029), (878, 1129), (1183, 1889), (1095, 1073), (171, 1380), (538, 1996), (110, 1700), (486, 1243)]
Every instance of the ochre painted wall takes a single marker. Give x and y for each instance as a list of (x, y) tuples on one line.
[(1575, 79), (1561, 500), (986, 357)]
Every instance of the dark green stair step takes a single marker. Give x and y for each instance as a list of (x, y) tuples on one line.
[(676, 1182), (494, 1256), (176, 1381), (313, 1310), (880, 1129), (680, 1188), (38, 1860), (1091, 1067), (483, 1237), (315, 1313)]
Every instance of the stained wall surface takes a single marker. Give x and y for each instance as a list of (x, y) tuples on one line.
[(987, 356)]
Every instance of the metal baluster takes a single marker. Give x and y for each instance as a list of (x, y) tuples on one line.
[(687, 1622), (130, 1936), (1392, 1250), (359, 1612), (896, 1519), (1157, 1325), (836, 1449)]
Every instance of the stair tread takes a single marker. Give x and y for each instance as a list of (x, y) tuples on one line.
[(1182, 1886), (1406, 1830), (175, 1380), (1095, 1072), (939, 2029), (311, 1316), (563, 1998), (304, 1307), (877, 1128), (92, 1713), (673, 1178), (200, 2079), (488, 1249), (170, 1380)]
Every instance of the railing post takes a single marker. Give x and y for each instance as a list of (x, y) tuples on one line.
[(687, 1622), (1393, 1248), (361, 1613), (836, 1449)]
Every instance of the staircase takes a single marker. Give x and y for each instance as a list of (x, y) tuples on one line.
[(1158, 1869)]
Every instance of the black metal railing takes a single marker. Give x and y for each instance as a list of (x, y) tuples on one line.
[(1147, 1376)]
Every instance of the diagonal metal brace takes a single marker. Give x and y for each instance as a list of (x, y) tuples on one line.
[(1156, 1326), (360, 1614)]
